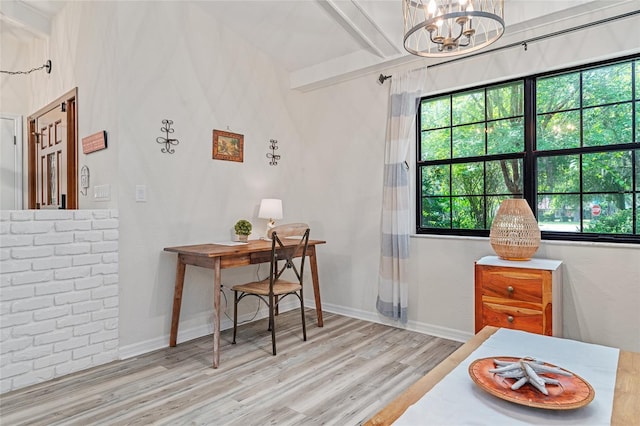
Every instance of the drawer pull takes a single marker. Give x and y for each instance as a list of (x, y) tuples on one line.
[(510, 289), (510, 318)]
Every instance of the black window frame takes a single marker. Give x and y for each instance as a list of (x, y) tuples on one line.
[(530, 155)]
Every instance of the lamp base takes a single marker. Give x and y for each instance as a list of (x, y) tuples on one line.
[(270, 226)]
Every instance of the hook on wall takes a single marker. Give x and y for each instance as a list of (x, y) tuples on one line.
[(382, 78), (46, 66), (272, 155), (168, 142)]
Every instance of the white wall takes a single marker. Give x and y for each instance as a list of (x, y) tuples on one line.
[(13, 87), (135, 64), (151, 61), (344, 128)]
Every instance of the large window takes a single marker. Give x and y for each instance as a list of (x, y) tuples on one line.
[(568, 142)]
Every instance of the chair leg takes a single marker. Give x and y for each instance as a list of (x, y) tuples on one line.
[(304, 326), (235, 315), (272, 323)]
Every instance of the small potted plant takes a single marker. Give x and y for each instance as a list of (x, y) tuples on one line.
[(243, 229)]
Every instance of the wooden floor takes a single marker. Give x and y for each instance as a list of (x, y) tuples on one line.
[(343, 374)]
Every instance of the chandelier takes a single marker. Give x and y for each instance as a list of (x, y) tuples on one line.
[(437, 28)]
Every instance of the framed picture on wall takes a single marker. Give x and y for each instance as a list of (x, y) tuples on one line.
[(228, 146)]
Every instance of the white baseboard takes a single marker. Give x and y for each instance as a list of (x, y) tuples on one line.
[(187, 334), (430, 329)]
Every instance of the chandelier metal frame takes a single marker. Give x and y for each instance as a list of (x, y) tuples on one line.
[(451, 27)]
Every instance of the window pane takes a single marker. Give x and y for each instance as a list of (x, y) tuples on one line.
[(436, 145), (608, 213), (560, 213), (607, 125), (558, 131), (637, 139), (607, 84), (435, 113), (467, 179), (637, 213), (637, 169), (468, 213), (468, 107), (584, 174), (558, 93), (607, 171), (436, 213), (435, 180), (468, 141), (505, 136), (505, 101), (504, 177), (559, 174), (637, 67)]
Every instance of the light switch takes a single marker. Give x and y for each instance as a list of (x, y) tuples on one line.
[(102, 192), (141, 193)]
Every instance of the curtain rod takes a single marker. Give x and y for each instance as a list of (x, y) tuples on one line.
[(524, 43)]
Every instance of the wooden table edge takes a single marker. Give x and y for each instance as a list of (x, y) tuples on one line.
[(626, 401)]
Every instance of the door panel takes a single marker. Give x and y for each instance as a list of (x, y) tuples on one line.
[(52, 155), (52, 152)]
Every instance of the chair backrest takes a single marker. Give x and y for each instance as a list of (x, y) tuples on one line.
[(289, 244)]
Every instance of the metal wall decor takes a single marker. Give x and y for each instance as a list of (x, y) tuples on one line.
[(271, 155), (168, 142)]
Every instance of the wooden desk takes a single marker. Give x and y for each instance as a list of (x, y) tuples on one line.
[(626, 399), (218, 257)]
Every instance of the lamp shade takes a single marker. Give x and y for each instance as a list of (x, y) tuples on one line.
[(515, 234), (270, 208)]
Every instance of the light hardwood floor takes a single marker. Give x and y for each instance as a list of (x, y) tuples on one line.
[(343, 374)]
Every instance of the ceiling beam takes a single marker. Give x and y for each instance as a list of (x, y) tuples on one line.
[(26, 17), (360, 26)]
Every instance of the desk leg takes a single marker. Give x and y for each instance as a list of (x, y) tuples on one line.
[(177, 301), (216, 311), (316, 283)]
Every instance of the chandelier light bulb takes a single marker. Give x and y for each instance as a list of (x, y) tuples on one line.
[(432, 8)]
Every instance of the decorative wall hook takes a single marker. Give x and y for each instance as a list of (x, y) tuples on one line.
[(84, 180), (271, 155), (168, 142)]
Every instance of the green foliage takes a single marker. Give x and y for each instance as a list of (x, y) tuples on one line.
[(589, 108), (243, 227), (616, 223)]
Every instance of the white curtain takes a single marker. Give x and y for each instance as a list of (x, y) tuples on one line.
[(393, 297)]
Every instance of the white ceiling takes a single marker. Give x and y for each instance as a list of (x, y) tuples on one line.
[(321, 41)]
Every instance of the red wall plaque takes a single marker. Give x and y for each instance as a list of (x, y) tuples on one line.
[(94, 142)]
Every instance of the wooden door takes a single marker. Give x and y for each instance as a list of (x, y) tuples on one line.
[(52, 155)]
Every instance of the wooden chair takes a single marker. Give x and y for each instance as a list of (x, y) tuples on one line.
[(288, 251)]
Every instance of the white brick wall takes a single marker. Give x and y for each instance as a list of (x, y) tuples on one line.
[(58, 293)]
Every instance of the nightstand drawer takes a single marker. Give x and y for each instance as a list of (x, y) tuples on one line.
[(510, 317), (516, 285)]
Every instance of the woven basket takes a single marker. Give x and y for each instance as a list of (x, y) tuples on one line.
[(515, 234)]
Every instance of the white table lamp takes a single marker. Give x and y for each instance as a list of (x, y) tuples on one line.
[(270, 208)]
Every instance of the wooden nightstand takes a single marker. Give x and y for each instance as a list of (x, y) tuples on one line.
[(521, 295)]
